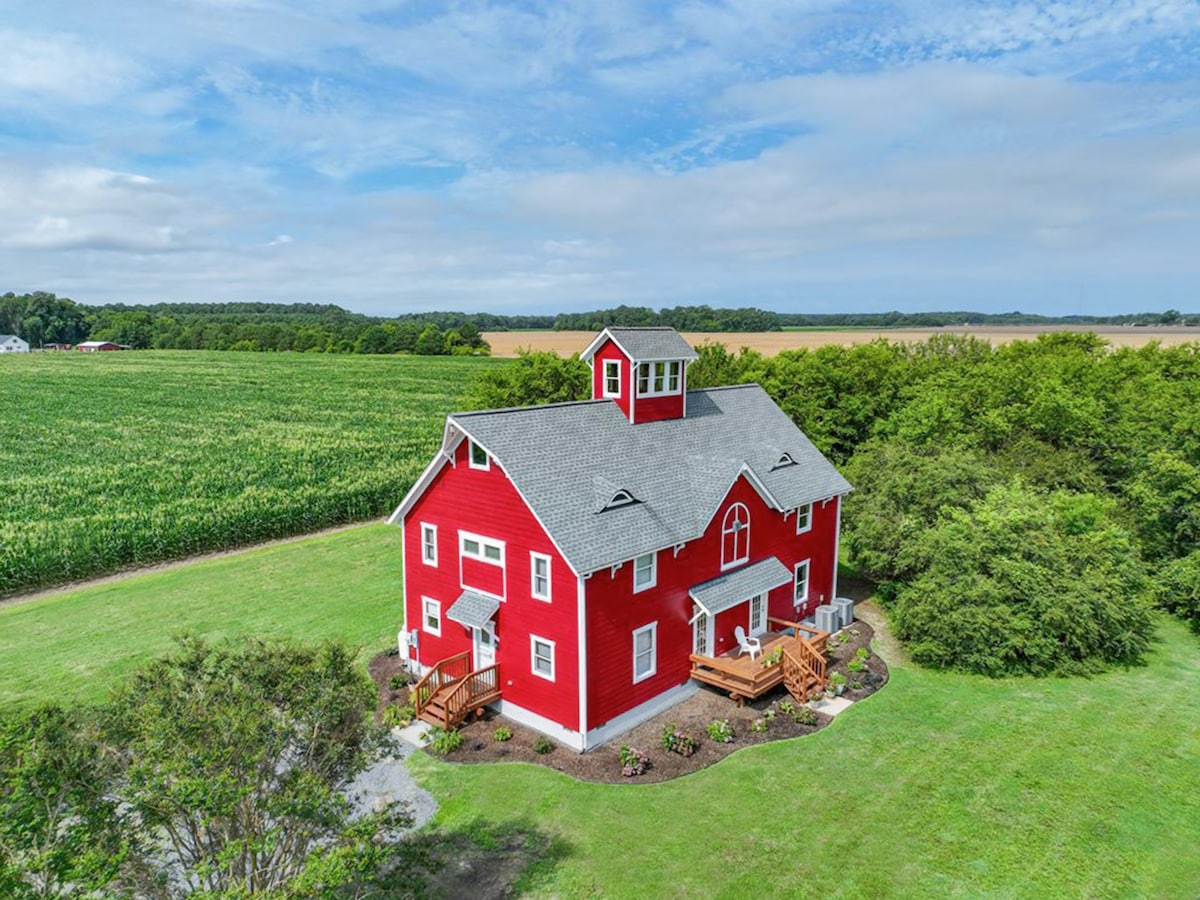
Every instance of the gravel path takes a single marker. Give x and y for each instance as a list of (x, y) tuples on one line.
[(389, 781)]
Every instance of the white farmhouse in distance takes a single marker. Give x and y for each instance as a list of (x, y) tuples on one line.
[(10, 343)]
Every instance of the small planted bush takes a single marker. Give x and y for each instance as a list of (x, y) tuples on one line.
[(856, 664), (502, 734), (787, 707), (758, 726), (863, 653), (543, 745), (720, 731), (444, 742), (677, 740), (633, 762), (398, 716), (804, 716), (398, 681)]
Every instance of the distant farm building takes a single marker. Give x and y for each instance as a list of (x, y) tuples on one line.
[(10, 343), (93, 346)]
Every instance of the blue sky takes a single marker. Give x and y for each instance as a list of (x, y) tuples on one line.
[(529, 157)]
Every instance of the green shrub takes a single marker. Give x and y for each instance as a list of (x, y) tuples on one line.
[(1178, 589), (398, 716), (543, 745), (502, 733), (787, 707), (804, 716), (677, 740), (444, 742), (856, 664), (720, 731), (399, 681), (862, 653), (760, 725)]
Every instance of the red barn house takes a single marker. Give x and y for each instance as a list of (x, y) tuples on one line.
[(581, 566)]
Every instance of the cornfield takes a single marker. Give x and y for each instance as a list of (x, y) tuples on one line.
[(115, 460)]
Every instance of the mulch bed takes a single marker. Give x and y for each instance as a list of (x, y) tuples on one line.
[(692, 715)]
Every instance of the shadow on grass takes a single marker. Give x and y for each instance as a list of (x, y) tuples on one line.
[(481, 860)]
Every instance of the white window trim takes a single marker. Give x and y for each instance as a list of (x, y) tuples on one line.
[(808, 525), (533, 561), (464, 536), (487, 457), (727, 529), (436, 632), (427, 543), (652, 628), (666, 378), (800, 601), (637, 589), (604, 391), (533, 642)]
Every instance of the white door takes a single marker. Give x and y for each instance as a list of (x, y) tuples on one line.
[(702, 633), (758, 615), (485, 646)]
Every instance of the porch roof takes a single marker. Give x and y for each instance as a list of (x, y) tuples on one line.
[(732, 588), (473, 609)]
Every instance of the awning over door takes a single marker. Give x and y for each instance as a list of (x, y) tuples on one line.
[(732, 588), (473, 609)]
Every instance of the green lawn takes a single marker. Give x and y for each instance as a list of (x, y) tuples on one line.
[(939, 786), (75, 645)]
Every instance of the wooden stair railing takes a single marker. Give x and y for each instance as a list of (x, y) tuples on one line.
[(802, 664), (477, 689), (445, 671)]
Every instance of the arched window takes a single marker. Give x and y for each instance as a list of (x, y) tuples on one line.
[(735, 536)]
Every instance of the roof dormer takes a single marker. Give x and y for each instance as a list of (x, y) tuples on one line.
[(642, 370)]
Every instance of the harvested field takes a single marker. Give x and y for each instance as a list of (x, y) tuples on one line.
[(506, 343)]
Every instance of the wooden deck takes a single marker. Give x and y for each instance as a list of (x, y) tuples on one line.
[(451, 691), (801, 667)]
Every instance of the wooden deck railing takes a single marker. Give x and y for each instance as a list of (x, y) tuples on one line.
[(477, 689), (803, 662), (445, 671)]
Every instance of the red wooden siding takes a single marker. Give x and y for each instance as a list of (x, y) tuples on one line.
[(614, 611), (482, 576), (608, 351), (485, 503), (654, 409)]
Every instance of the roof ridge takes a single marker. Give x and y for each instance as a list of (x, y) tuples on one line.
[(532, 408)]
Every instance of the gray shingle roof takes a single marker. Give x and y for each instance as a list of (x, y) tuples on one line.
[(738, 586), (472, 609), (564, 458), (647, 343)]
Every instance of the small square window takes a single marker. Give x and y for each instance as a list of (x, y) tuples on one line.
[(804, 518), (644, 572), (479, 457), (431, 616), (541, 657), (429, 544), (612, 378), (539, 576), (645, 652)]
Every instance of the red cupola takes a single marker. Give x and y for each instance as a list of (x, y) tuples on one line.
[(643, 370)]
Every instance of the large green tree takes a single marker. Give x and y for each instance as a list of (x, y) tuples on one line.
[(1026, 582)]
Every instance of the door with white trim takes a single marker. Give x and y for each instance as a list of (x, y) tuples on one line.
[(702, 632), (758, 615), (485, 645)]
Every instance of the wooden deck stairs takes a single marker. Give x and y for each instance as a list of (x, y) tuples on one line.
[(452, 690), (800, 667)]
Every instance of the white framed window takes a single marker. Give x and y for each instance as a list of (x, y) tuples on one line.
[(541, 657), (658, 378), (612, 378), (479, 457), (758, 615), (645, 652), (801, 584), (429, 544), (702, 631), (539, 576), (487, 550), (645, 572), (735, 536), (803, 518), (431, 616)]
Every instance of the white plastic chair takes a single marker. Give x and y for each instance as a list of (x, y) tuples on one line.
[(753, 646)]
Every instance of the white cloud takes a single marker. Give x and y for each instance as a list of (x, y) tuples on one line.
[(60, 67)]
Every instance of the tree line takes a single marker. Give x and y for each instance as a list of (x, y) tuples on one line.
[(1022, 508), (44, 318)]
